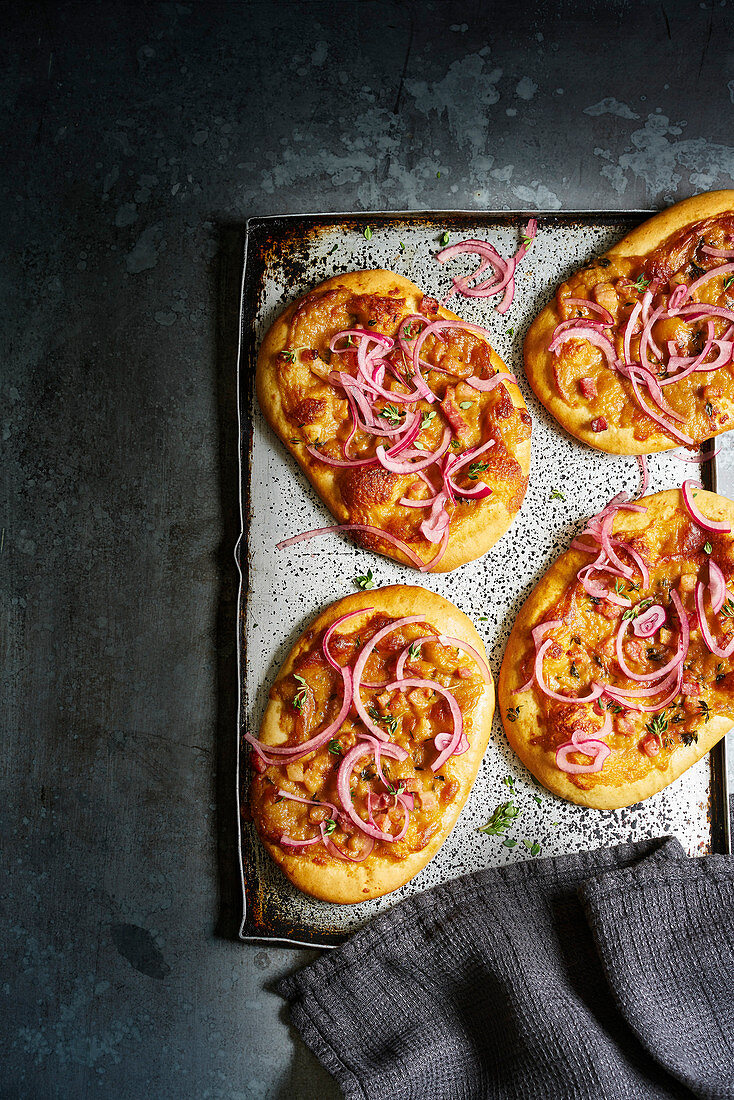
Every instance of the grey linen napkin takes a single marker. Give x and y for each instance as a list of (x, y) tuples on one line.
[(605, 975)]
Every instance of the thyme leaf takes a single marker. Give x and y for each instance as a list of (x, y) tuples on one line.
[(500, 820)]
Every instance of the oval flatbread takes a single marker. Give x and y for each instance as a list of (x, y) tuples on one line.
[(337, 381), (613, 739), (635, 353), (361, 770)]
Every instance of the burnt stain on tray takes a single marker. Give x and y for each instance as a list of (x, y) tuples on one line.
[(292, 251)]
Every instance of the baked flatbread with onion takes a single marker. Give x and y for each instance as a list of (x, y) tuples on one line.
[(635, 353), (402, 416), (370, 743), (619, 671)]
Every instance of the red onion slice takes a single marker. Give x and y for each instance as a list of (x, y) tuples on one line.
[(592, 336), (647, 624), (717, 587), (710, 525), (584, 303), (487, 384), (721, 253), (334, 849), (711, 643), (404, 466), (431, 685), (361, 662), (669, 429), (594, 747), (295, 752), (332, 628), (698, 459), (342, 786), (412, 557)]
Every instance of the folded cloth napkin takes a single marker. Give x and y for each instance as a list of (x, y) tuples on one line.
[(606, 974)]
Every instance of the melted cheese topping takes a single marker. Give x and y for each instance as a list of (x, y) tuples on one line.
[(583, 651), (411, 718), (617, 283), (319, 413)]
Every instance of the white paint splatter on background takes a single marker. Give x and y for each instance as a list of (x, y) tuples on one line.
[(611, 106), (463, 95), (526, 88), (538, 195), (657, 158)]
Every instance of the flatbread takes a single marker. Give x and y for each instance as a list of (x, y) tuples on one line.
[(676, 550), (304, 407), (389, 866), (591, 399)]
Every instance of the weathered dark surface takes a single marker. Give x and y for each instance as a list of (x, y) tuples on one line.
[(138, 139)]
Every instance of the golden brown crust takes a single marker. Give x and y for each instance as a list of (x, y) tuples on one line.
[(573, 414), (478, 531), (349, 883), (661, 508)]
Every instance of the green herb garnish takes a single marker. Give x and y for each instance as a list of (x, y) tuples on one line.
[(704, 708), (300, 697), (426, 419), (512, 713), (335, 748), (633, 612), (465, 404), (366, 581), (728, 281), (532, 846), (707, 548), (414, 650), (445, 238), (392, 414), (658, 726), (368, 233), (556, 494), (329, 825), (501, 819), (475, 469), (640, 284), (728, 609), (709, 408)]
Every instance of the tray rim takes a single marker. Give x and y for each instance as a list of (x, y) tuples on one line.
[(717, 755)]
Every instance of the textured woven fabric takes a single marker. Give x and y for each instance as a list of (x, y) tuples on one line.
[(604, 975)]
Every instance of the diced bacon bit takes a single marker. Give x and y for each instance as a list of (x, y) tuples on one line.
[(321, 370), (420, 698), (346, 824), (453, 415), (610, 611), (309, 354), (428, 800), (412, 784), (429, 305), (608, 647), (318, 813), (624, 723), (382, 802), (605, 295), (665, 636), (294, 772), (384, 699), (650, 745), (465, 672), (588, 387), (382, 821), (257, 763), (688, 582), (689, 686), (599, 424)]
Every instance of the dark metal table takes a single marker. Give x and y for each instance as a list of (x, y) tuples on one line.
[(139, 138)]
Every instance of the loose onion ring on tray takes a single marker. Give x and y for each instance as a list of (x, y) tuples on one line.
[(619, 671), (370, 743), (401, 415), (635, 352)]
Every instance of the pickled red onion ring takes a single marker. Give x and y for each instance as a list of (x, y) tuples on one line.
[(332, 628), (695, 513), (295, 752), (593, 306), (412, 557), (344, 774), (487, 384), (711, 643), (359, 667), (717, 587), (647, 624), (431, 685)]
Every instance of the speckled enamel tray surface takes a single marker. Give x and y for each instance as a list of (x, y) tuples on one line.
[(282, 591)]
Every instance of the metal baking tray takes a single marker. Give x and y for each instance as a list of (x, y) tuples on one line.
[(282, 591)]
